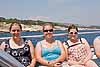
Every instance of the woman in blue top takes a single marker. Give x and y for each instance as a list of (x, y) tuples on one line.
[(49, 52), (22, 50)]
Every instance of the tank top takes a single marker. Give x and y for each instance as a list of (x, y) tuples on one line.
[(51, 53), (21, 54), (76, 52)]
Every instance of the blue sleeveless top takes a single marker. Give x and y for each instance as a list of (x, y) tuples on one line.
[(51, 53)]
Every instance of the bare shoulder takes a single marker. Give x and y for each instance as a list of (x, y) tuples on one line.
[(38, 47), (83, 39), (58, 41), (65, 44), (40, 43), (85, 42), (97, 41), (29, 42)]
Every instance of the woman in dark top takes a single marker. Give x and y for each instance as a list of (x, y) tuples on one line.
[(19, 48)]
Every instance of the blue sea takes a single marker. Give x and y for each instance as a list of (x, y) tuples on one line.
[(89, 37)]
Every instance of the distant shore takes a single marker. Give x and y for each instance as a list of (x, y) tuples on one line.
[(5, 28)]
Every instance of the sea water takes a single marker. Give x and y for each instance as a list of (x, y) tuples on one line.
[(89, 37)]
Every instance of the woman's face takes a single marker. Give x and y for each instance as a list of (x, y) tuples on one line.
[(48, 32), (15, 31), (73, 34)]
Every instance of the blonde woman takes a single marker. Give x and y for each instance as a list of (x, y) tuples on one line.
[(49, 52)]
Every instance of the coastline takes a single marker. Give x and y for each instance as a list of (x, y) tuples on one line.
[(5, 28)]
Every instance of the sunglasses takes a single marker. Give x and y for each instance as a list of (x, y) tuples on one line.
[(73, 33), (51, 30), (15, 30)]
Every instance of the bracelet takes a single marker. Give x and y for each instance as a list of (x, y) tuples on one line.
[(48, 62), (51, 65)]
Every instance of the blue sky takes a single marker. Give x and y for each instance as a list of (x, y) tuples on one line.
[(84, 12)]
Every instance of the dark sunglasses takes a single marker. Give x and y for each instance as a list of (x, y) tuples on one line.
[(73, 33), (51, 30), (16, 30)]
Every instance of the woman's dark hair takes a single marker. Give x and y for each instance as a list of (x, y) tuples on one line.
[(15, 23), (72, 27), (46, 24)]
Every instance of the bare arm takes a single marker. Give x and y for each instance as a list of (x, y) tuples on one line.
[(32, 54), (66, 50), (97, 46), (89, 56)]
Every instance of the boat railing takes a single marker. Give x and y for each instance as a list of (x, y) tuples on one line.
[(61, 34)]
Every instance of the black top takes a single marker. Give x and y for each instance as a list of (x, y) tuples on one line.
[(21, 54)]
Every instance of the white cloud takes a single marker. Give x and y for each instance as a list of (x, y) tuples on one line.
[(43, 18)]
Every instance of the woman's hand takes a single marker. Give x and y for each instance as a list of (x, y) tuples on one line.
[(28, 66), (57, 65), (3, 46), (81, 62), (52, 64)]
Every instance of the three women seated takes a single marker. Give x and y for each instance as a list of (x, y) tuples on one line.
[(50, 52)]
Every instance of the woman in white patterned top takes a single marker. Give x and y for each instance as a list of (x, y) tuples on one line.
[(79, 53)]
